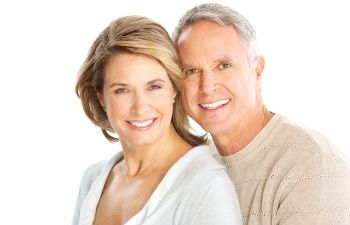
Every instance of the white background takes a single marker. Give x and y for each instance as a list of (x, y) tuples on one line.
[(46, 141)]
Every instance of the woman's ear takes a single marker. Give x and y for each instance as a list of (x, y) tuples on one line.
[(175, 93), (101, 100)]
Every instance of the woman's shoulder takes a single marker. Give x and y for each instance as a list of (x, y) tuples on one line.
[(202, 159), (98, 168), (210, 196), (93, 170), (201, 167)]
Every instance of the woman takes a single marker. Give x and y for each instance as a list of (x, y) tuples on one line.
[(130, 85)]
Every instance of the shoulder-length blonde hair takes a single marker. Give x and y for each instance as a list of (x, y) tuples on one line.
[(134, 35)]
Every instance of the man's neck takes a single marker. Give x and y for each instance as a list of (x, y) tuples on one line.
[(242, 134)]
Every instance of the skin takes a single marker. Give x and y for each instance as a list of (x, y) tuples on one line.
[(138, 96), (222, 90)]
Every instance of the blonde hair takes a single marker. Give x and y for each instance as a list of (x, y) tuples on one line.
[(134, 35)]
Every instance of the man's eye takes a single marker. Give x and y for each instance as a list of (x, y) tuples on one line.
[(223, 66), (121, 91), (191, 72)]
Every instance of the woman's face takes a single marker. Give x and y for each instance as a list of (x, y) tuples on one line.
[(138, 96)]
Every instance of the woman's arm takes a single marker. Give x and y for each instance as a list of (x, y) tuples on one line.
[(211, 199)]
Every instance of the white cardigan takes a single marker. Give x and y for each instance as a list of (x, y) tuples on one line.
[(196, 190)]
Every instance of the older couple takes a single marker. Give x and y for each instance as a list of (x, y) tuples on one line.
[(139, 84)]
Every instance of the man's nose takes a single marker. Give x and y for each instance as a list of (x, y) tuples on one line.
[(208, 83)]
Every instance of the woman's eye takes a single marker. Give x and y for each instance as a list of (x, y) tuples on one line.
[(223, 66), (154, 87), (121, 91)]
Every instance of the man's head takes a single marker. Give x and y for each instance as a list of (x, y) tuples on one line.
[(223, 16), (223, 70)]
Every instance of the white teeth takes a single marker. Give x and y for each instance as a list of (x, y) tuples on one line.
[(143, 124), (215, 104)]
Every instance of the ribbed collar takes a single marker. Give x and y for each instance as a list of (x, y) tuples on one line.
[(254, 145)]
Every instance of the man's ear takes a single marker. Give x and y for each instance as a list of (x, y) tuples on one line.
[(259, 68)]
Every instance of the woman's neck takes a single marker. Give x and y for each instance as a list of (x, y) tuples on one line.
[(158, 157)]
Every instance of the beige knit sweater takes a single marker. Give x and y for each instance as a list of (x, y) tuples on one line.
[(290, 175)]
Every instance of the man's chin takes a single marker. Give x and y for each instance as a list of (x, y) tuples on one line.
[(213, 127)]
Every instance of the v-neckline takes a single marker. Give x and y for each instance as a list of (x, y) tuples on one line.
[(153, 201)]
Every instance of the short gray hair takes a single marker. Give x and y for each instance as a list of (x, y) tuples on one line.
[(224, 16)]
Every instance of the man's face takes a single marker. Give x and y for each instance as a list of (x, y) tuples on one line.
[(221, 88)]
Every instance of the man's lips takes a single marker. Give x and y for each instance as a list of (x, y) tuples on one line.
[(215, 105)]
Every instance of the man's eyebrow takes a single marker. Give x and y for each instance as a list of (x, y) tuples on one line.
[(185, 66), (224, 59), (220, 59)]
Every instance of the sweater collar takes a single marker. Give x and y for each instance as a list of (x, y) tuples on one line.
[(257, 142)]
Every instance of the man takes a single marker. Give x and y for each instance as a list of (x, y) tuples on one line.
[(283, 172)]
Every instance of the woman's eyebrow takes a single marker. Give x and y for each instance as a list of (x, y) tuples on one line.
[(155, 80), (117, 84)]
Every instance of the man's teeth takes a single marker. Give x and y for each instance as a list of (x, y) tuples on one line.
[(141, 124), (215, 104)]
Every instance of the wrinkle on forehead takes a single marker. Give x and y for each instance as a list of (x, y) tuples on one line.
[(211, 48)]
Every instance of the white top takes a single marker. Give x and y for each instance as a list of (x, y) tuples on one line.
[(196, 190)]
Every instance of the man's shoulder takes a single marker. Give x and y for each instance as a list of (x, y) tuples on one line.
[(295, 146), (297, 135)]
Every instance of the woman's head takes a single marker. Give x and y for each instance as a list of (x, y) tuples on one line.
[(134, 35)]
